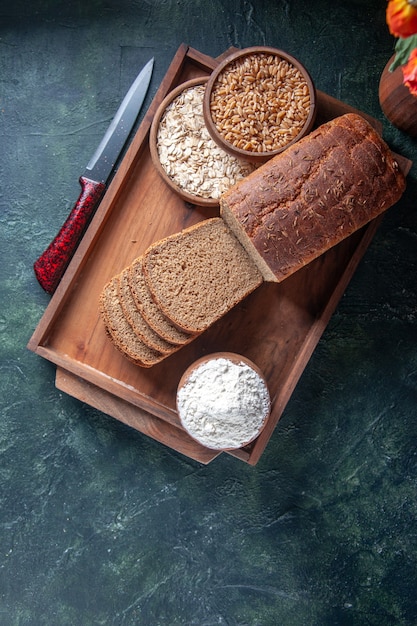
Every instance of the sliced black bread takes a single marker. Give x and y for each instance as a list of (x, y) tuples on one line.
[(149, 309), (136, 319), (199, 274), (119, 330)]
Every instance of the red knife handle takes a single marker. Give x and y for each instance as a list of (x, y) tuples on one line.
[(52, 264)]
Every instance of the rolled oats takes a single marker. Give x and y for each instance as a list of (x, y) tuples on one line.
[(188, 154)]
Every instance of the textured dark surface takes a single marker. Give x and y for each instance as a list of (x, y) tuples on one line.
[(101, 525)]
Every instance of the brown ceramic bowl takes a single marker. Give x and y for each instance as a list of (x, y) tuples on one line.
[(202, 157), (212, 405), (259, 101)]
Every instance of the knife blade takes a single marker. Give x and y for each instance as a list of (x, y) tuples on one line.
[(52, 263)]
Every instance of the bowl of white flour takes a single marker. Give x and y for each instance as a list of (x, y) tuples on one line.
[(223, 401)]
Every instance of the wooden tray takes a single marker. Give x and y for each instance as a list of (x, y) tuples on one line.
[(278, 326)]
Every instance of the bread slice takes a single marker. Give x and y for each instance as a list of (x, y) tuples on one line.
[(149, 310), (199, 274), (119, 330), (310, 197), (136, 320)]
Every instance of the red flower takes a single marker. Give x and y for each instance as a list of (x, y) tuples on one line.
[(410, 73), (402, 17)]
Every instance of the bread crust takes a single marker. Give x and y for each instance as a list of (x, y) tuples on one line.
[(119, 330), (149, 309), (307, 199), (137, 321)]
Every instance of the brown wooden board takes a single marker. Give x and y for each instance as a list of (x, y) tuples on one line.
[(278, 326)]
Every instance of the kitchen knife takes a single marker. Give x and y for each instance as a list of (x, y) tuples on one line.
[(51, 265)]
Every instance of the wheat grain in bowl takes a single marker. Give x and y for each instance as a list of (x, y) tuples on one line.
[(258, 102), (185, 154)]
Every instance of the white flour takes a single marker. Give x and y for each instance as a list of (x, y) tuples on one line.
[(223, 404)]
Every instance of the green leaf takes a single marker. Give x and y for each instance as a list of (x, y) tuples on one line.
[(403, 49)]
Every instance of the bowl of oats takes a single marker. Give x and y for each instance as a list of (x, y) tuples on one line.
[(185, 155), (259, 101)]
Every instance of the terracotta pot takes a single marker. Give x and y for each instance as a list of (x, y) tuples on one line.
[(396, 101)]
